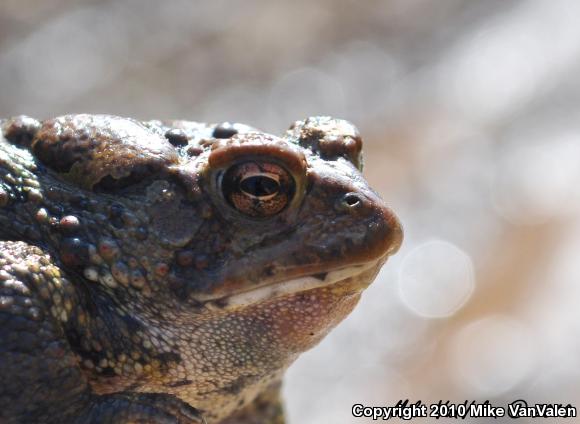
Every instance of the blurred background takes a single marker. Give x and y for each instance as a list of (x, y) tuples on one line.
[(471, 121)]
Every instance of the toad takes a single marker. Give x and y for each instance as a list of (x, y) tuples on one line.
[(171, 271)]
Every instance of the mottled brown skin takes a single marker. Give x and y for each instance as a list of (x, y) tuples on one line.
[(169, 272)]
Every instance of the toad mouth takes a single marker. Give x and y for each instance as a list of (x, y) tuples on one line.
[(293, 286)]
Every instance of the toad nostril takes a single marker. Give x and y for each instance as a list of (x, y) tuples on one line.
[(351, 200)]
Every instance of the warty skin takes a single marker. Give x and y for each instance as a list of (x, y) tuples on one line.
[(172, 271)]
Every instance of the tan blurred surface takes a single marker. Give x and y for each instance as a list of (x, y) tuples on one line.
[(470, 116)]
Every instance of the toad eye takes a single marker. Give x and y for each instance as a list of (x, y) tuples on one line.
[(258, 189)]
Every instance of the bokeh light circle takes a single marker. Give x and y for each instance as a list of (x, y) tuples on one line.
[(492, 355), (436, 278), (538, 181)]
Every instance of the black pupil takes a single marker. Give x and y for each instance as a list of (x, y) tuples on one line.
[(259, 186)]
